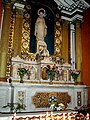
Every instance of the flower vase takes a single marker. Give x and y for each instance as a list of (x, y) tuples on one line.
[(75, 81), (51, 80), (21, 80)]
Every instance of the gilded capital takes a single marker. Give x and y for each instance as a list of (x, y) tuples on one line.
[(19, 8), (65, 23)]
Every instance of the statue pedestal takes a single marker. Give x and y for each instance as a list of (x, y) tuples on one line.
[(42, 47)]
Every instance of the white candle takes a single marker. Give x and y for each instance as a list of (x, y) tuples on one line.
[(51, 113), (63, 116), (46, 115), (26, 118), (41, 117), (14, 116), (87, 116)]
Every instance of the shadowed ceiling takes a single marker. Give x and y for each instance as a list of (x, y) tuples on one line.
[(70, 9)]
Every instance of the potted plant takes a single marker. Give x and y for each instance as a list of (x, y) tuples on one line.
[(22, 72)]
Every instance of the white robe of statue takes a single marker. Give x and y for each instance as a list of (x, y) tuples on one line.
[(41, 31)]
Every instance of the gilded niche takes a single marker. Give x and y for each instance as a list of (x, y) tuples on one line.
[(27, 45)]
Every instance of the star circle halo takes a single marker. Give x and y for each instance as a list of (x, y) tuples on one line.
[(41, 10)]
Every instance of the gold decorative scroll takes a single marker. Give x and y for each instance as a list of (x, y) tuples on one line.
[(58, 37)]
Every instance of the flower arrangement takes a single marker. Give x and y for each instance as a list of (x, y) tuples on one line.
[(52, 102), (60, 106), (51, 72), (75, 73), (22, 72)]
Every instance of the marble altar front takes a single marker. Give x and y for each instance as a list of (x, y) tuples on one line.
[(24, 93)]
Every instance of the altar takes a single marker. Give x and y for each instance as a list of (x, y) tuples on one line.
[(35, 96)]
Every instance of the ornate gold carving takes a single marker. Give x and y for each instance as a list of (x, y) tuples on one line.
[(10, 45), (58, 37), (26, 35)]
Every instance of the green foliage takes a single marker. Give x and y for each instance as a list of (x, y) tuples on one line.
[(51, 72), (15, 106), (22, 72)]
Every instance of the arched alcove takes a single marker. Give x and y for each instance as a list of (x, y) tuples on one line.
[(49, 19)]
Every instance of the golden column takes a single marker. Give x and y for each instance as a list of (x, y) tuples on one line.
[(65, 40), (78, 51), (4, 42), (18, 32)]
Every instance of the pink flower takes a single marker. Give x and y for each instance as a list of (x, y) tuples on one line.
[(75, 73)]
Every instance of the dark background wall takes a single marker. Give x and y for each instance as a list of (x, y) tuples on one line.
[(49, 19), (86, 49)]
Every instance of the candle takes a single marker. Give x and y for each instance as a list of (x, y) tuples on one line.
[(63, 116), (26, 118), (41, 117), (46, 115), (87, 116), (14, 116), (51, 113)]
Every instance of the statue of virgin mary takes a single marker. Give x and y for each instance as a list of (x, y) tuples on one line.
[(41, 32)]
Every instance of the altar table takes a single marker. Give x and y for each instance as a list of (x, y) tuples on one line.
[(27, 93)]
